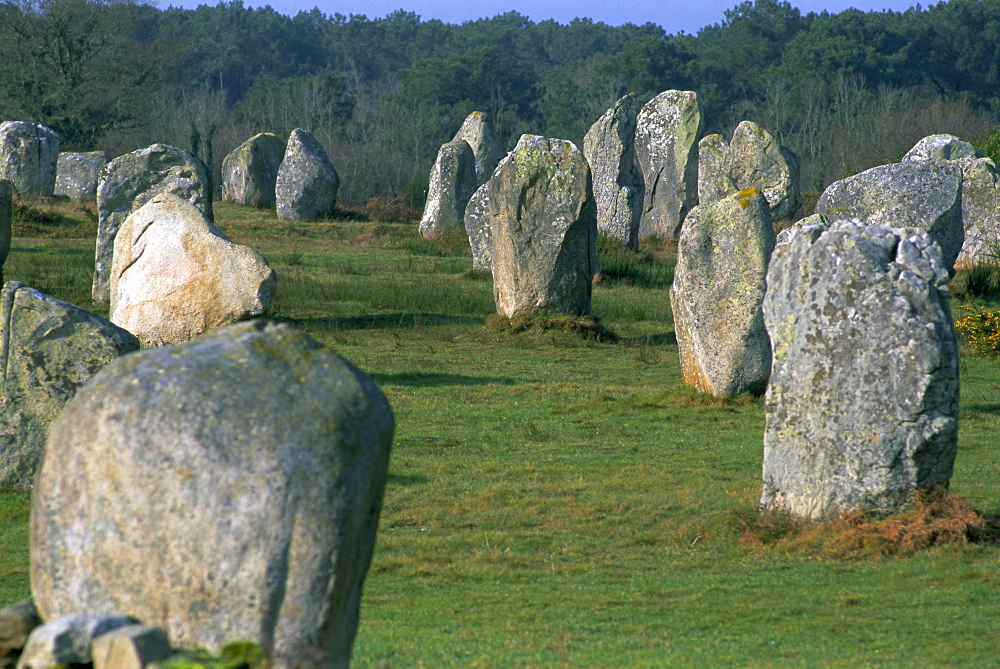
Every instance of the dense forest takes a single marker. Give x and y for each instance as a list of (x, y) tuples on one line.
[(844, 91)]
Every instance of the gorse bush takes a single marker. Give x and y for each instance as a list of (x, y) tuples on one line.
[(980, 329)]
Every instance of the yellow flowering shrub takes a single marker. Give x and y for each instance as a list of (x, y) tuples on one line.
[(981, 329)]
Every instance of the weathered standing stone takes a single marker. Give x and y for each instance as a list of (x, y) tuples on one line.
[(227, 488), (716, 297), (478, 132), (130, 647), (50, 350), (666, 145), (752, 159), (862, 406), (175, 275), (28, 155), (250, 172), (132, 180), (77, 175), (923, 194), (66, 640), (16, 624), (6, 220), (452, 183), (477, 226), (544, 229), (609, 147), (306, 185), (980, 194)]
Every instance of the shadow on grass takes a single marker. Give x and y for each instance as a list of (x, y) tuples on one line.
[(431, 379), (985, 408), (665, 339), (406, 479), (378, 321)]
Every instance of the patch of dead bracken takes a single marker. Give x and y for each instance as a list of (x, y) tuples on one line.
[(935, 518)]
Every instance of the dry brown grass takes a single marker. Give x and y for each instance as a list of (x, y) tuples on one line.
[(586, 327), (936, 517)]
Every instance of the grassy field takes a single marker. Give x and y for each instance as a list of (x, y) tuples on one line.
[(558, 500)]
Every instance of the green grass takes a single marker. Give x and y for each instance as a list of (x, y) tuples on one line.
[(556, 499)]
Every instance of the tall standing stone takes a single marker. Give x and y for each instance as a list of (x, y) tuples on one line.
[(452, 183), (77, 175), (666, 145), (175, 275), (924, 194), (752, 159), (980, 194), (28, 155), (478, 228), (478, 132), (250, 172), (862, 406), (50, 350), (307, 183), (130, 181), (224, 489), (609, 147), (544, 229), (716, 296)]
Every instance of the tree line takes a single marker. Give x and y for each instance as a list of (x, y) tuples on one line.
[(845, 91)]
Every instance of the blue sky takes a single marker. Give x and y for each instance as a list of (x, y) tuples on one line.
[(673, 15)]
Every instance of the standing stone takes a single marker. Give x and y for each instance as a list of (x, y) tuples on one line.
[(753, 159), (132, 180), (923, 194), (77, 175), (233, 492), (478, 228), (980, 195), (544, 228), (666, 145), (50, 351), (306, 185), (716, 297), (609, 147), (28, 155), (6, 220), (478, 132), (250, 172), (862, 407), (452, 183), (175, 275)]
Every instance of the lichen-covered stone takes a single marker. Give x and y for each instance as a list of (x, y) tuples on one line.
[(752, 159), (478, 132), (609, 147), (28, 155), (175, 275), (77, 175), (477, 227), (452, 182), (226, 488), (980, 194), (130, 181), (923, 194), (942, 147), (50, 350), (716, 296), (250, 171), (666, 145), (862, 405), (544, 229), (66, 640), (307, 183)]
